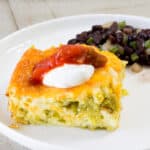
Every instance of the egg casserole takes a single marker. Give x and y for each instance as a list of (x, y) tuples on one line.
[(93, 104)]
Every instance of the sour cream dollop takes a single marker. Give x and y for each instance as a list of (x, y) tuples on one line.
[(68, 75)]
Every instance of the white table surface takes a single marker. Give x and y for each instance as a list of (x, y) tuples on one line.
[(17, 14)]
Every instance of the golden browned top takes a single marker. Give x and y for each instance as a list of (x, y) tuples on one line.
[(20, 81)]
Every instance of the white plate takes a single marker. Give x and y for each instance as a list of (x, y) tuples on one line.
[(134, 131)]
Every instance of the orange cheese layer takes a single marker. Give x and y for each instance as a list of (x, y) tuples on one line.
[(20, 81)]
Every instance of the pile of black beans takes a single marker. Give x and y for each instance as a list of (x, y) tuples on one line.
[(127, 42)]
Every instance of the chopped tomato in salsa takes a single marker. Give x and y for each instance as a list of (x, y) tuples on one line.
[(67, 54)]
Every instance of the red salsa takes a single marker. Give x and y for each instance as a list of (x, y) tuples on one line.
[(67, 54)]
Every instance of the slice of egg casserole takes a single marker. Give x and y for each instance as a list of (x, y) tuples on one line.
[(92, 104)]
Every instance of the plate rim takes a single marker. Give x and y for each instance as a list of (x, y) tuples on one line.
[(67, 18)]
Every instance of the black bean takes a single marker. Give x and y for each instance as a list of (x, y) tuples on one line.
[(131, 40), (147, 31), (119, 37), (105, 33), (132, 37), (127, 57), (82, 37), (140, 45), (114, 27), (128, 29), (97, 28), (128, 50), (143, 35), (72, 41), (97, 37), (112, 38), (148, 60)]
